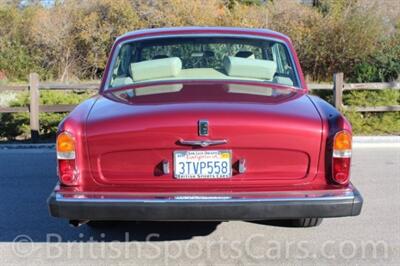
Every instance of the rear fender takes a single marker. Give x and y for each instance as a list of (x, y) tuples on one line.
[(75, 123), (332, 122)]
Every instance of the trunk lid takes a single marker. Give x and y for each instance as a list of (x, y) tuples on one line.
[(277, 132)]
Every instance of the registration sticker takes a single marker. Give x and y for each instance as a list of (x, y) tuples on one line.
[(202, 164)]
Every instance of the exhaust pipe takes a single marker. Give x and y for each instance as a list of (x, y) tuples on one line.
[(77, 223)]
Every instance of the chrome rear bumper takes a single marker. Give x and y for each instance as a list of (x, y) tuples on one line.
[(205, 207)]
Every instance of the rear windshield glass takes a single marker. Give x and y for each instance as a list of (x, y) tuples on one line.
[(182, 58)]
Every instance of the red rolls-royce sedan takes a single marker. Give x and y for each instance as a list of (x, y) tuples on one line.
[(200, 124)]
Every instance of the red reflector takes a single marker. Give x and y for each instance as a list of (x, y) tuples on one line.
[(67, 172), (341, 170)]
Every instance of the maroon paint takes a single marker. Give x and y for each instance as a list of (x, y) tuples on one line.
[(284, 138)]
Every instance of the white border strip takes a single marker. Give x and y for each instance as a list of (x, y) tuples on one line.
[(376, 141)]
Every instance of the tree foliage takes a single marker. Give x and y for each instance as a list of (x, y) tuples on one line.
[(99, 24), (71, 39)]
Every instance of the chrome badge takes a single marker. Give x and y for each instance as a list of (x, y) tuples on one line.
[(203, 128)]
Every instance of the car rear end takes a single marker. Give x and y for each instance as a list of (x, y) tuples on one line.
[(205, 149), (247, 161)]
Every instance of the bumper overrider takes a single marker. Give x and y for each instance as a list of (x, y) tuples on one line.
[(205, 207)]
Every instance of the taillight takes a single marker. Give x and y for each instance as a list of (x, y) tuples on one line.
[(341, 157), (66, 165)]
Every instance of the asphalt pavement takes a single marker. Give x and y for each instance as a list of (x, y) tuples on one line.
[(28, 235)]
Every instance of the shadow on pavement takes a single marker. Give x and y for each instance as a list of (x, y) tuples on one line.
[(151, 231), (277, 223), (27, 176)]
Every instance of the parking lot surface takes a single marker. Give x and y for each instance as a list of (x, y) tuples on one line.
[(29, 236)]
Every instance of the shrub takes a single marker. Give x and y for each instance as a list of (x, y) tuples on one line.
[(16, 59), (97, 25), (371, 97), (374, 123), (174, 13), (14, 125), (331, 40), (71, 39), (369, 123), (384, 65)]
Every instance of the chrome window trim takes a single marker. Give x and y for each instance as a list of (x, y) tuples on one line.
[(162, 36)]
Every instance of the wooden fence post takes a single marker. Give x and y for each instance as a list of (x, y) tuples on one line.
[(34, 106), (338, 90)]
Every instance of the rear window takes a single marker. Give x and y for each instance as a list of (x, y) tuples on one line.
[(182, 58)]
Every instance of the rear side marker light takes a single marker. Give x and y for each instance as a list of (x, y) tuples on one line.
[(341, 157), (66, 164)]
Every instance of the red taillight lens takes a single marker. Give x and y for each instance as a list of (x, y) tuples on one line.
[(341, 157), (341, 170), (67, 170)]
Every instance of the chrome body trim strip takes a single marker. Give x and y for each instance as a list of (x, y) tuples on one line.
[(288, 196), (203, 143)]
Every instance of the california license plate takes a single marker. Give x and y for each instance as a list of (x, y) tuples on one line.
[(203, 164)]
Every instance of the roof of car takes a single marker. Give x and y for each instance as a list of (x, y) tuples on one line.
[(189, 30)]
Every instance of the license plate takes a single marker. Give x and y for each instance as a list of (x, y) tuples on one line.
[(202, 164)]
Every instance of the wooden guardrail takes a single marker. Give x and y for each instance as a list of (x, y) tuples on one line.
[(35, 86), (339, 87)]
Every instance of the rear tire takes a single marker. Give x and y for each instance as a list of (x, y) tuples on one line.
[(307, 222)]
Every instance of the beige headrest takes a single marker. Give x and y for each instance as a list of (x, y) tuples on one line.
[(249, 68), (156, 69)]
